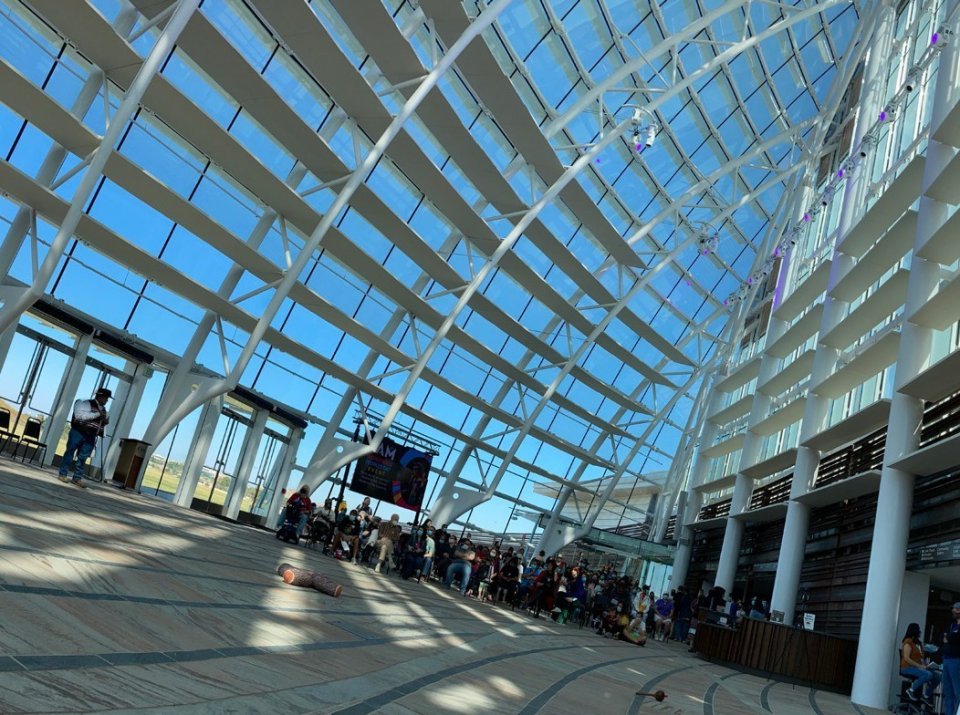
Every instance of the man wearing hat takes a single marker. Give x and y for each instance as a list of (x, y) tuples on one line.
[(87, 423)]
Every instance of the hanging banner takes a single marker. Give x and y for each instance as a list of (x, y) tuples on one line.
[(394, 474)]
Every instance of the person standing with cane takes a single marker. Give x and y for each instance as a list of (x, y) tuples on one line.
[(87, 423)]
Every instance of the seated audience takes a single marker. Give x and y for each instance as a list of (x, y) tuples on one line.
[(663, 610), (460, 567), (389, 535)]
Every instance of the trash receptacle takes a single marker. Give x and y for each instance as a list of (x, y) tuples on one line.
[(132, 454)]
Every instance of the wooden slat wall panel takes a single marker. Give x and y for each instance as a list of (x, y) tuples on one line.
[(834, 572), (940, 420), (859, 457), (773, 493), (804, 656), (718, 508)]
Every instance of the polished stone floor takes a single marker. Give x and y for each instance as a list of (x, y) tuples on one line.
[(114, 602)]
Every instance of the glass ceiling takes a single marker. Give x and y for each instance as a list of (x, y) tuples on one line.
[(265, 110)]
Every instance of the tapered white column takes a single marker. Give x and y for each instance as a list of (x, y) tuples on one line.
[(698, 472), (199, 446), (251, 443), (816, 407), (123, 421), (284, 469), (743, 487), (63, 411), (891, 531)]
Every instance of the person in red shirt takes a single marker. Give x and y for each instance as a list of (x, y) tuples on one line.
[(301, 507)]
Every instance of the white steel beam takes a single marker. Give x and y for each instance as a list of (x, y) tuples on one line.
[(360, 175), (453, 503), (586, 101), (346, 452), (11, 311)]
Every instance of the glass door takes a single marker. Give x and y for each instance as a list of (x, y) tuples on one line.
[(223, 459), (263, 481), (32, 376)]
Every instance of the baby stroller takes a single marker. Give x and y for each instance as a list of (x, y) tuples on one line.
[(288, 531)]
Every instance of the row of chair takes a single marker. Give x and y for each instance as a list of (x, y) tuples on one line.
[(29, 438)]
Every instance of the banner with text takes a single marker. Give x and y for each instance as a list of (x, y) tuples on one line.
[(394, 474)]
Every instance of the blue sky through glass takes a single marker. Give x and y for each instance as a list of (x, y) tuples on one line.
[(425, 219)]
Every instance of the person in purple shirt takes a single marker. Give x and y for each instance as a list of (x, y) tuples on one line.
[(663, 609)]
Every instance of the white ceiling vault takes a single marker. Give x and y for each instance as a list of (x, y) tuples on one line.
[(699, 121)]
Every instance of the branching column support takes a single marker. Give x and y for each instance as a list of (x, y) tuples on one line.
[(345, 452), (218, 387), (555, 535), (453, 502), (450, 487)]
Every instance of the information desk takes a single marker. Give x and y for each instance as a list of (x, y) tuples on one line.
[(807, 657)]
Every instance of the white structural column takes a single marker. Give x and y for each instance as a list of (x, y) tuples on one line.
[(67, 391), (743, 487), (12, 309), (123, 422), (701, 462), (816, 407), (251, 444), (888, 550), (199, 446), (698, 472), (283, 466), (688, 450)]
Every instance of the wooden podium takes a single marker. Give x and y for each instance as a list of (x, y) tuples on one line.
[(132, 454)]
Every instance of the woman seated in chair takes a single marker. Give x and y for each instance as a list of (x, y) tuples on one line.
[(571, 601), (506, 581), (322, 524), (914, 665)]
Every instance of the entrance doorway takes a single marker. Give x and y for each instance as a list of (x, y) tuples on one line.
[(223, 458), (31, 378), (265, 477)]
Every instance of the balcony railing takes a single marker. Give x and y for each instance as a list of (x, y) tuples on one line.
[(773, 493), (671, 533), (862, 456), (940, 420), (712, 511)]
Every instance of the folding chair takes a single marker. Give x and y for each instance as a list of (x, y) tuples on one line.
[(31, 438)]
